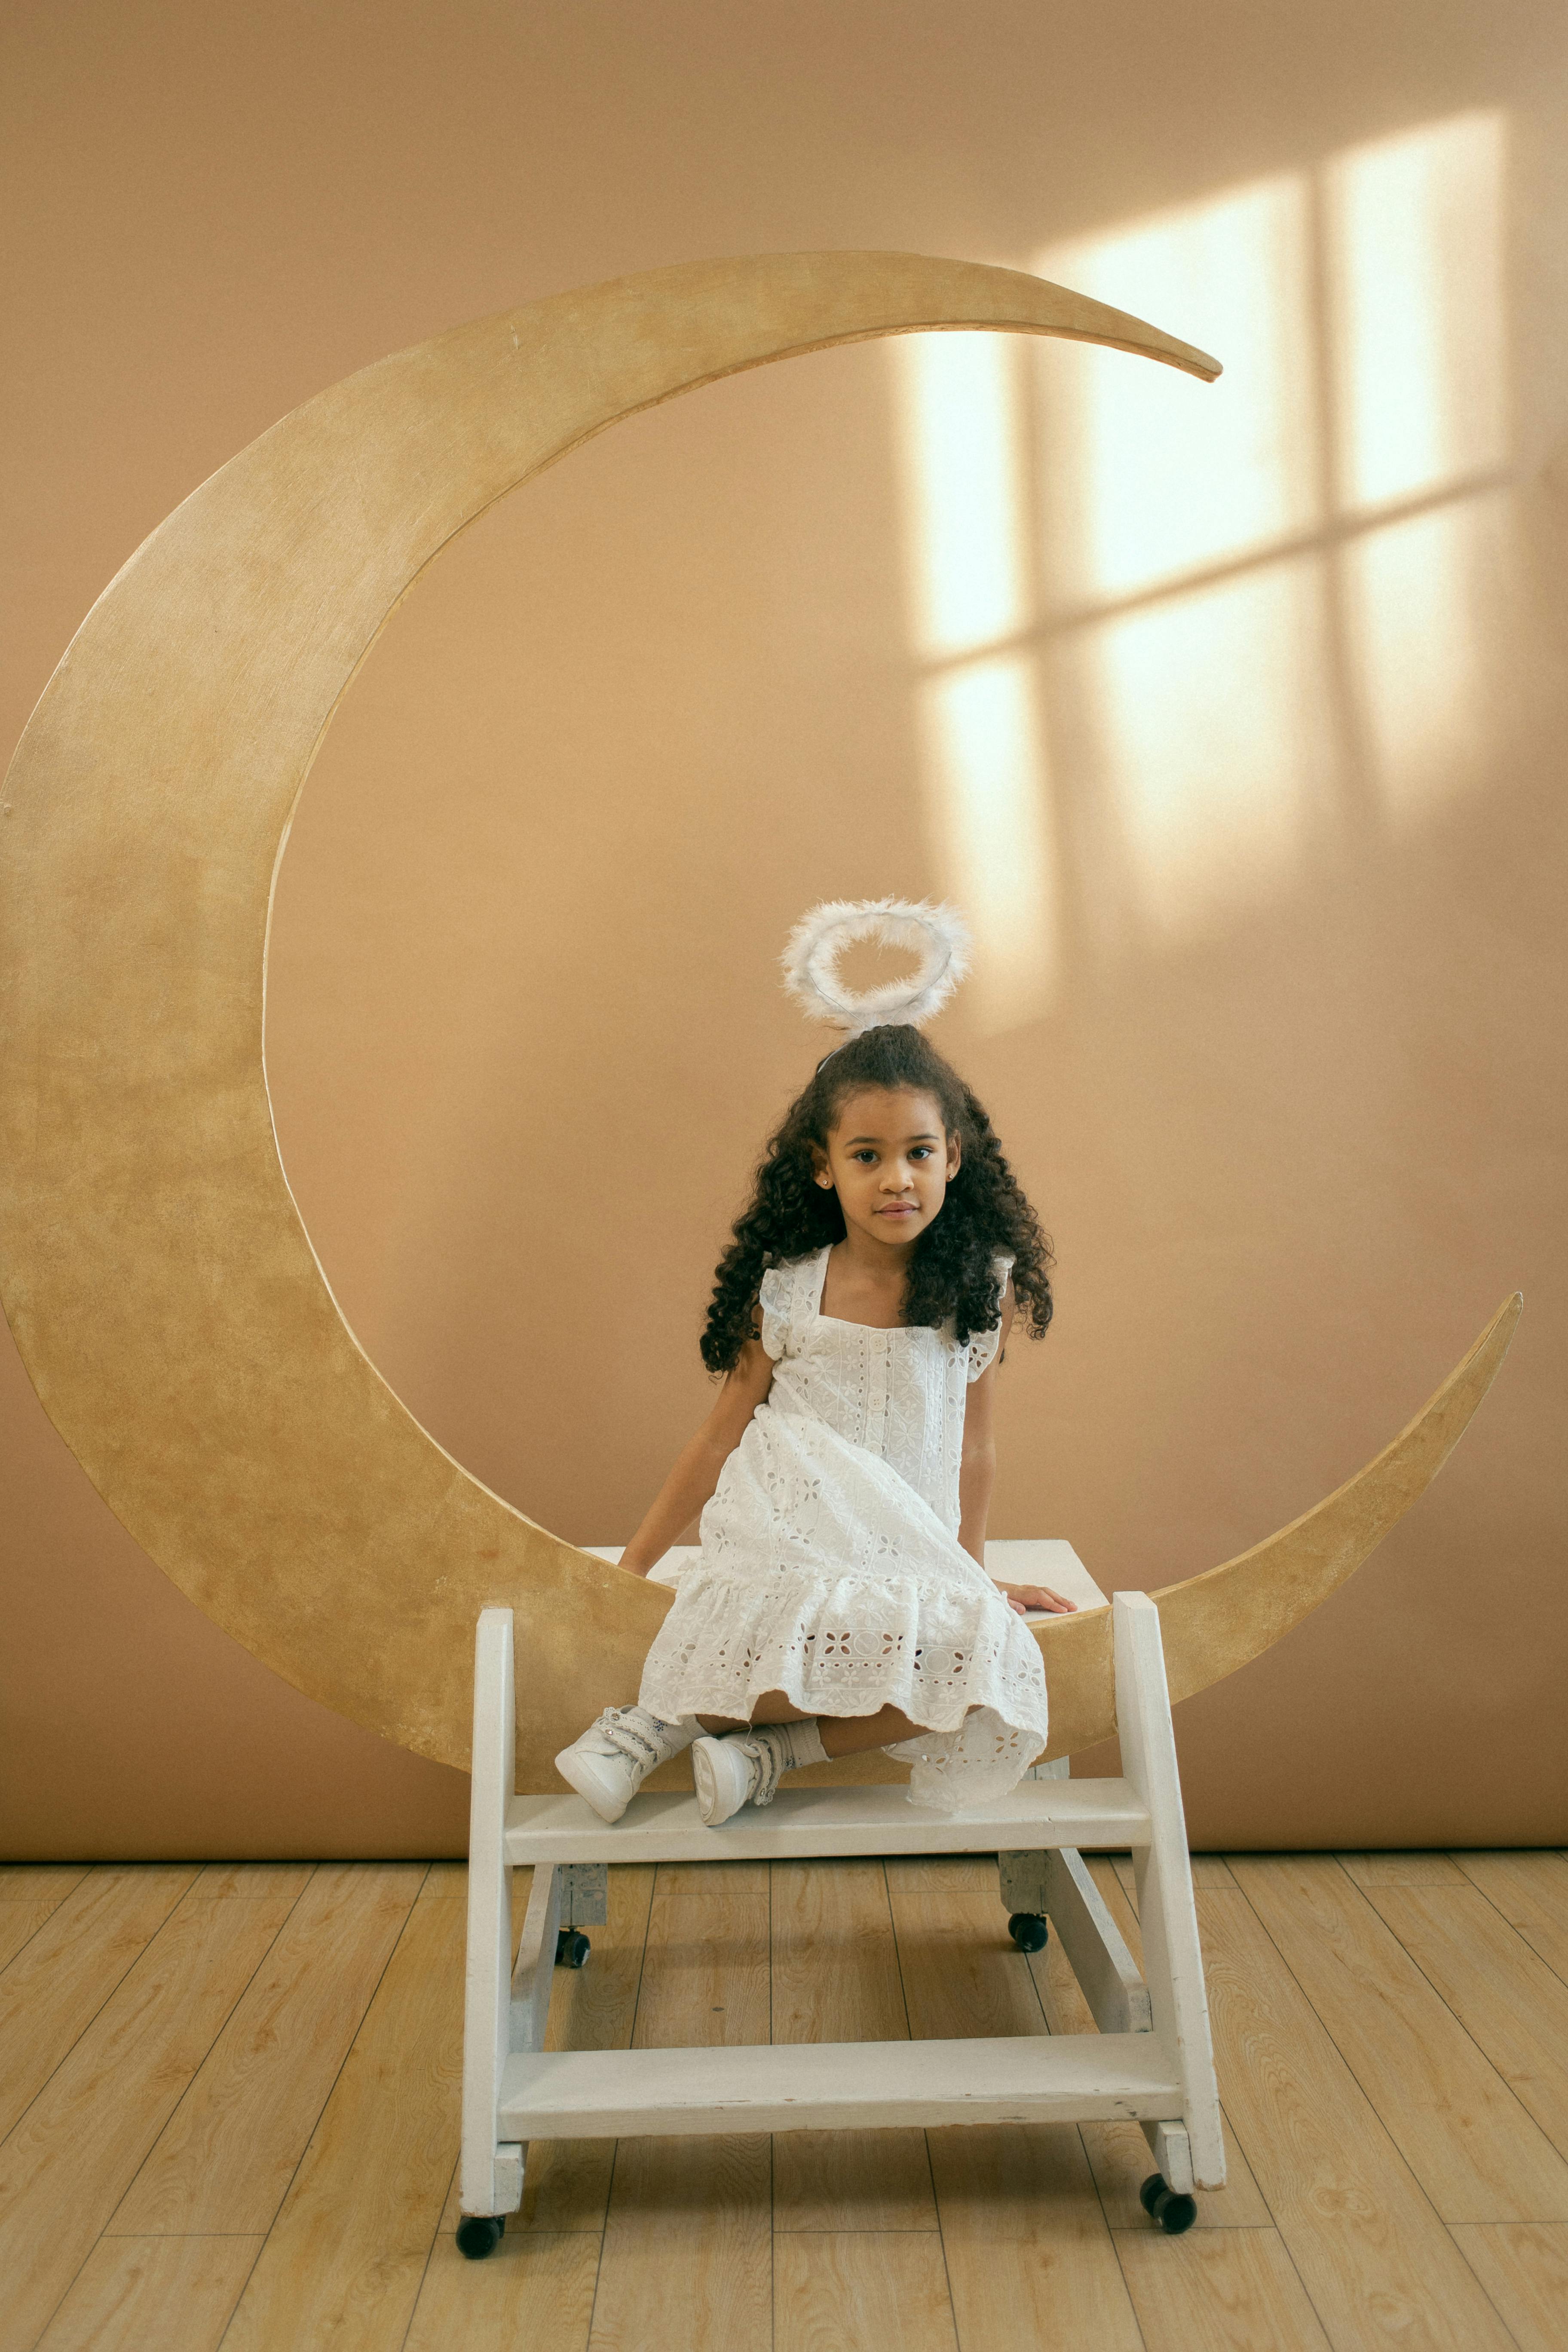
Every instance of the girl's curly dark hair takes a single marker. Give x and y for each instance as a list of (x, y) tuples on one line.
[(951, 1276)]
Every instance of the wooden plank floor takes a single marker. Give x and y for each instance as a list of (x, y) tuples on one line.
[(229, 2102)]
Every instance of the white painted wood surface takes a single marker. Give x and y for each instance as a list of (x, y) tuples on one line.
[(534, 1979), (803, 1823), (1167, 1918), (1170, 2144), (486, 1992), (846, 2085), (1097, 1952)]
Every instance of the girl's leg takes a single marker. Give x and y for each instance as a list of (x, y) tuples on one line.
[(841, 1735), (852, 1734), (743, 1768)]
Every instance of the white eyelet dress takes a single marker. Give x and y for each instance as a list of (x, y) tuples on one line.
[(831, 1568)]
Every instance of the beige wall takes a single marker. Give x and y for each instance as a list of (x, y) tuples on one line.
[(1290, 1099)]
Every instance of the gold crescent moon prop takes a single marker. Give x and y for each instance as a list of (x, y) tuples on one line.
[(161, 1288)]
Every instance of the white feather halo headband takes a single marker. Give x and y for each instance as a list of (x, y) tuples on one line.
[(938, 935)]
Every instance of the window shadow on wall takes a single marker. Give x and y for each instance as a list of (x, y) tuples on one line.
[(1177, 645)]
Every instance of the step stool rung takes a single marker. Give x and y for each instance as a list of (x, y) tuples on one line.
[(846, 2085)]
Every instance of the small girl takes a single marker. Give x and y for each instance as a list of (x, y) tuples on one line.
[(841, 1600)]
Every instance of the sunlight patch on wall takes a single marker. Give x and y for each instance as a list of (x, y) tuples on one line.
[(1414, 268), (1266, 608), (1211, 739), (960, 417), (1147, 474), (961, 414), (987, 813), (1428, 602)]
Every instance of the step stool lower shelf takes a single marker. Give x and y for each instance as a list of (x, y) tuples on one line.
[(837, 2086)]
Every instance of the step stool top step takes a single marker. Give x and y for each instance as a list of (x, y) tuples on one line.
[(804, 1822)]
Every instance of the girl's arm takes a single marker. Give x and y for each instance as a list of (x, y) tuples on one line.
[(978, 1475), (977, 1463), (696, 1473)]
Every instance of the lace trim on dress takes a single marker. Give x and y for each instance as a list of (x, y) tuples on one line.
[(773, 1297)]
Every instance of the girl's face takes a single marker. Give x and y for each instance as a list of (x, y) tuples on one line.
[(890, 1162)]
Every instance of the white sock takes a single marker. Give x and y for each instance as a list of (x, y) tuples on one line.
[(804, 1742), (776, 1748), (678, 1734)]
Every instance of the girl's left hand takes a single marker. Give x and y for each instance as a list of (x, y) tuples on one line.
[(1025, 1597)]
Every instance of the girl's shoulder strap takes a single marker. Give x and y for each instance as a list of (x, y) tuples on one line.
[(787, 1296)]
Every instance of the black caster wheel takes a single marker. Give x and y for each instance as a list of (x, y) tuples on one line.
[(1168, 2206), (479, 2234), (1028, 1931), (571, 1948)]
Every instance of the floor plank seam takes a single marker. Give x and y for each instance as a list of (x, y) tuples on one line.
[(1296, 2271), (326, 2103), (38, 1930), (86, 2027), (941, 2240), (212, 2045), (1529, 1941), (1414, 1958), (1286, 2247), (1413, 2176), (430, 2250), (642, 1961), (925, 2136), (157, 2237), (239, 2298), (616, 2152), (630, 2044), (599, 2266), (1113, 2234), (870, 2230), (1280, 2230), (898, 1964), (1501, 2319), (196, 2070), (1499, 2077)]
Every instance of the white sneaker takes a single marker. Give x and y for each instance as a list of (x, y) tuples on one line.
[(744, 1767), (615, 1756), (726, 1774)]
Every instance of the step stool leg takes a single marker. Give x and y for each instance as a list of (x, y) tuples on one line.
[(1172, 2154), (585, 1902), (490, 2180), (1167, 1913), (536, 1972), (1022, 1876)]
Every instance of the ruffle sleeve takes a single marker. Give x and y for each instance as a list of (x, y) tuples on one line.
[(983, 1347), (776, 1298)]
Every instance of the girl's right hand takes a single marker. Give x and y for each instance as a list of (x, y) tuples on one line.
[(1025, 1597)]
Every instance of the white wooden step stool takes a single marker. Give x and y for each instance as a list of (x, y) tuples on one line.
[(1152, 2060)]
